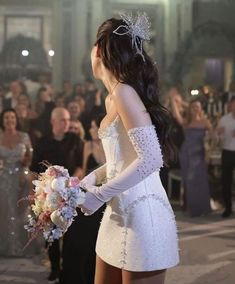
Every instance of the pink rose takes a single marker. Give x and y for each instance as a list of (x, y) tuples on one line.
[(74, 182), (51, 172)]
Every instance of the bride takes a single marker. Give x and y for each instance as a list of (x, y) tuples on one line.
[(137, 240)]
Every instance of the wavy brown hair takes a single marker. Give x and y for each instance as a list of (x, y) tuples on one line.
[(128, 67)]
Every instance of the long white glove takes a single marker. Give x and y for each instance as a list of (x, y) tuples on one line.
[(149, 159), (97, 176)]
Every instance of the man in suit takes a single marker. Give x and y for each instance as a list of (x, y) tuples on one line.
[(78, 249), (60, 148)]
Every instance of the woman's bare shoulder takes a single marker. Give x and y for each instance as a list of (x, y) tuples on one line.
[(126, 94), (124, 89)]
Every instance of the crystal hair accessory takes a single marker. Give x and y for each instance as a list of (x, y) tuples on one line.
[(137, 27)]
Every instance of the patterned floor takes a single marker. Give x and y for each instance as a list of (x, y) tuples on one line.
[(207, 255)]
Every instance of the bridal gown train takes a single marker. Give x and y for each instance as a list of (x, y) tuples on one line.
[(138, 229)]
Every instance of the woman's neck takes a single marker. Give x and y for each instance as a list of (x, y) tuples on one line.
[(96, 140), (109, 82), (196, 117), (10, 132)]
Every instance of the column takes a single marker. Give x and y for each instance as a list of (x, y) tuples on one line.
[(57, 44), (170, 29), (186, 17), (80, 37)]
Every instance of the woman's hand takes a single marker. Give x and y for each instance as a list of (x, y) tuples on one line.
[(26, 161), (88, 180), (92, 203)]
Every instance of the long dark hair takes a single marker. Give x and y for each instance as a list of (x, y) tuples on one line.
[(128, 67)]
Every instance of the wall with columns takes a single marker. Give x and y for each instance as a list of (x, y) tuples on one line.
[(70, 26)]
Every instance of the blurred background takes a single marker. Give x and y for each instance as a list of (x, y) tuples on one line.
[(192, 41), (45, 63)]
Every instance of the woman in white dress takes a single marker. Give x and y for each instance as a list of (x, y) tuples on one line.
[(137, 240)]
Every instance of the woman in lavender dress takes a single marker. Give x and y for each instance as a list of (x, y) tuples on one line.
[(192, 158)]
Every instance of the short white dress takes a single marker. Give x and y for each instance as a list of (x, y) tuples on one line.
[(138, 229)]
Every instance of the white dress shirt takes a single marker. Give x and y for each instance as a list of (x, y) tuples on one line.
[(228, 136)]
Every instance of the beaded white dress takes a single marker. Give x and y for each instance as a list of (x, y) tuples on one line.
[(138, 229)]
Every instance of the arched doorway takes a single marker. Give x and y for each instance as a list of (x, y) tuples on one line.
[(207, 55), (14, 64)]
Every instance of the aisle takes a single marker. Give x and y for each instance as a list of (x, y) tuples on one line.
[(207, 251), (207, 255), (22, 271)]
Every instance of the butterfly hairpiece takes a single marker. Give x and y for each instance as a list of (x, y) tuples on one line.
[(137, 27)]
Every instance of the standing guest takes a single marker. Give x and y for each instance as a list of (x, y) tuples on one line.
[(43, 107), (89, 95), (78, 90), (43, 97), (226, 131), (177, 135), (67, 91), (24, 120), (227, 96), (66, 149), (137, 239), (25, 99), (192, 158), (15, 156), (10, 100), (60, 148), (74, 110), (213, 106), (77, 128), (60, 100), (93, 155)]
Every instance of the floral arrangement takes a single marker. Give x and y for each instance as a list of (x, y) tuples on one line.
[(56, 196)]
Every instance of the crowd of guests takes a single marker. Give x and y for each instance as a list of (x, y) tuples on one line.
[(61, 129), (37, 123), (203, 125)]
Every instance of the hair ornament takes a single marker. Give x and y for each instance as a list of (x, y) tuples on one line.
[(137, 27)]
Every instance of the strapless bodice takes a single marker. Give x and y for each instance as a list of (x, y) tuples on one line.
[(118, 149)]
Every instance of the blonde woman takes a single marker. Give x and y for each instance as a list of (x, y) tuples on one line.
[(192, 158)]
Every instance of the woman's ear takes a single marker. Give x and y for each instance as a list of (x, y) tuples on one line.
[(97, 51)]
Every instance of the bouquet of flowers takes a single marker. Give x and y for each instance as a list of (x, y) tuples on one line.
[(56, 196)]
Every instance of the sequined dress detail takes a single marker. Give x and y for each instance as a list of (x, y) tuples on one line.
[(138, 229), (13, 187)]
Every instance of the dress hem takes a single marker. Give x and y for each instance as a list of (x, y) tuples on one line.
[(139, 270)]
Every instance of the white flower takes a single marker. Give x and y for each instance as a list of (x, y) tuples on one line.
[(81, 198), (38, 190), (36, 182), (58, 220), (53, 200), (59, 183)]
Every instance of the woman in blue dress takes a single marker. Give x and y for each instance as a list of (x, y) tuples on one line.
[(193, 159)]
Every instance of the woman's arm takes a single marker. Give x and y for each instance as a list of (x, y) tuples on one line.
[(86, 153), (176, 111), (27, 159), (95, 177), (145, 142)]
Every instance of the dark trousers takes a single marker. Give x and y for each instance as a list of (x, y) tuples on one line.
[(78, 252), (54, 255), (228, 165)]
